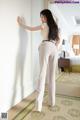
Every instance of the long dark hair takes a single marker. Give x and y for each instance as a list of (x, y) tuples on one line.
[(53, 28)]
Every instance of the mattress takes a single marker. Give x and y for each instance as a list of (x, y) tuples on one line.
[(74, 63), (74, 60)]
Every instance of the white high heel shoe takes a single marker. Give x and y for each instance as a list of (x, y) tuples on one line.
[(38, 106)]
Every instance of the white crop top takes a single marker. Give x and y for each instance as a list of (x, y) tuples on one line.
[(44, 31)]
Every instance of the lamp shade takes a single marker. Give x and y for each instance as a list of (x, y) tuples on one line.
[(76, 46)]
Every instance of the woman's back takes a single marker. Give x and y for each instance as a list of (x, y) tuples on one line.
[(44, 31)]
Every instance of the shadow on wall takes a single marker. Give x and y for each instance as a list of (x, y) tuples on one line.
[(20, 60)]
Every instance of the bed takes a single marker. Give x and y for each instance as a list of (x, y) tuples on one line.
[(75, 63)]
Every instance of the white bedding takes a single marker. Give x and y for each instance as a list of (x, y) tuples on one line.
[(74, 60)]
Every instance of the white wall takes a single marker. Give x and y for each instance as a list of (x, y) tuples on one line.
[(36, 38), (16, 55)]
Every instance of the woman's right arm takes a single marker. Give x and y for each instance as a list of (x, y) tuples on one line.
[(20, 22), (57, 42)]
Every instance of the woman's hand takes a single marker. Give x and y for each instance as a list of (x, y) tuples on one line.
[(20, 21)]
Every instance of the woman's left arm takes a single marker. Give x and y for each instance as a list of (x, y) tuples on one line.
[(20, 22)]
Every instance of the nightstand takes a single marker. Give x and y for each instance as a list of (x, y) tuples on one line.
[(64, 63)]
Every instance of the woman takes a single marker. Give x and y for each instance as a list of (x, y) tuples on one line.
[(47, 55)]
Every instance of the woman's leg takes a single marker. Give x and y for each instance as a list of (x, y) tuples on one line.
[(43, 57), (51, 85)]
